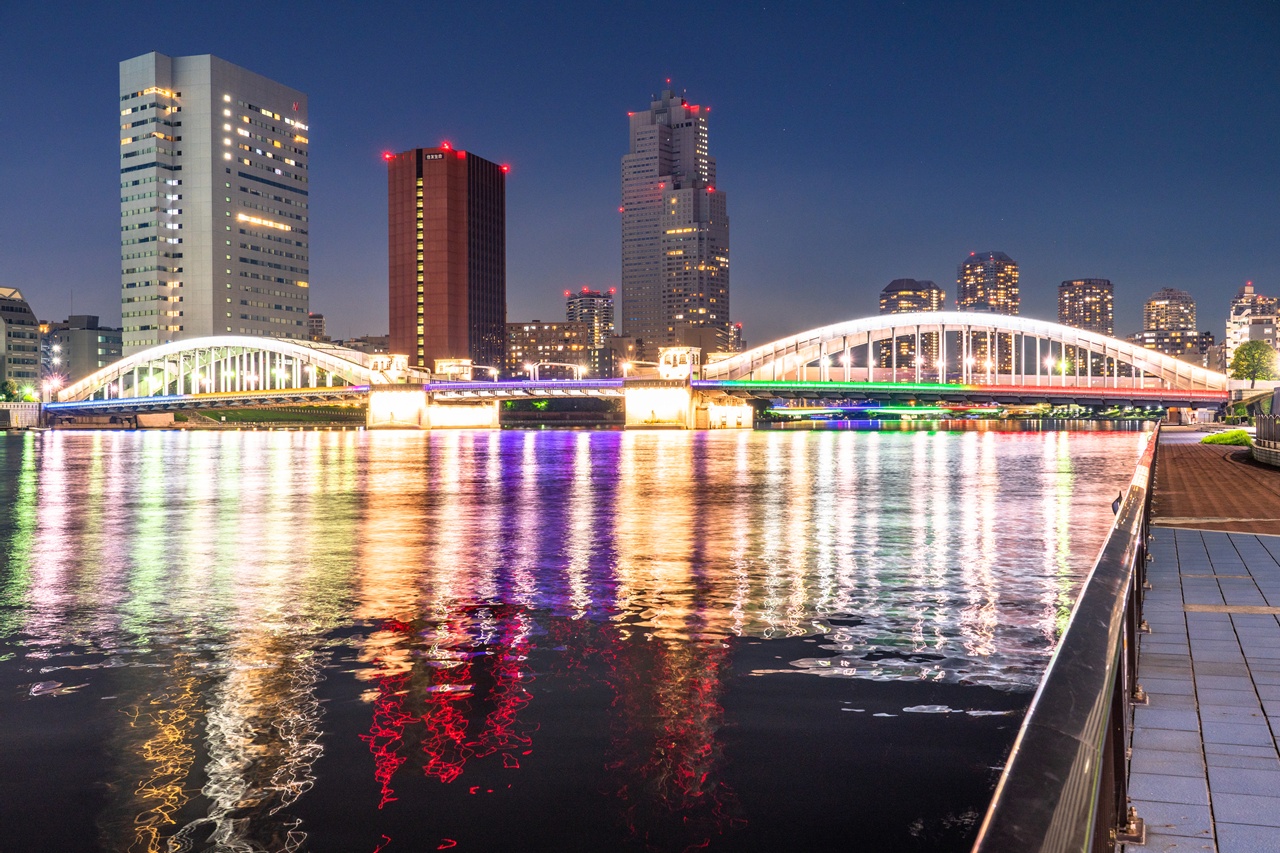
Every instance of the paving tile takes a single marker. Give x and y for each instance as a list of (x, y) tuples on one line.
[(1239, 749), (1247, 809), (1223, 682), (1179, 819), (1244, 762), (1249, 734), (1158, 788), (1242, 838), (1179, 686), (1233, 698), (1167, 739), (1161, 762), (1159, 719), (1241, 780)]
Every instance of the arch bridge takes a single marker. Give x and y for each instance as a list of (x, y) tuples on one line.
[(947, 357), (952, 347), (238, 365)]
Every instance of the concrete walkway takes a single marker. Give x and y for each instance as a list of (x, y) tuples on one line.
[(1205, 771)]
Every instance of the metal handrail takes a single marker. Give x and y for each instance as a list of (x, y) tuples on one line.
[(1065, 785)]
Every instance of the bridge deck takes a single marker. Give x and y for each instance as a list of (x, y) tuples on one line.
[(1205, 772)]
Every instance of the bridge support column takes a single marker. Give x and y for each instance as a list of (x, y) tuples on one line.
[(674, 404), (411, 407)]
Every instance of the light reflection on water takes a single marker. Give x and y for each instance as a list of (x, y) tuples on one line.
[(202, 587)]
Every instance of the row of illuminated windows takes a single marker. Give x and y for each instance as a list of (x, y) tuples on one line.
[(277, 198), (277, 306), (302, 244), (266, 250), (151, 106), (274, 266)]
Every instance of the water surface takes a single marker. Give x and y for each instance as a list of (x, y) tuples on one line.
[(529, 640)]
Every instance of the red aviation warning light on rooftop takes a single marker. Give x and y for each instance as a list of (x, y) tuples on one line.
[(387, 155)]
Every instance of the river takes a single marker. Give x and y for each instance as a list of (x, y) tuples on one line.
[(533, 640)]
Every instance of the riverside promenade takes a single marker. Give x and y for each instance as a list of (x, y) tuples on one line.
[(1205, 768)]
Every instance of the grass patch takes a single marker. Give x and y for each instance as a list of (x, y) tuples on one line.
[(1232, 437)]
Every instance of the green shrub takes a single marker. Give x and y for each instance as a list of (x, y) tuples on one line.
[(1233, 437)]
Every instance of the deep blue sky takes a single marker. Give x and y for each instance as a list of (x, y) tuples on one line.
[(857, 142)]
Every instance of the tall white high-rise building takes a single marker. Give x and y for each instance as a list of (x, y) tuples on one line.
[(675, 232), (213, 202)]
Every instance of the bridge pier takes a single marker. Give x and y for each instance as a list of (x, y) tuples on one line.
[(674, 404), (411, 407)]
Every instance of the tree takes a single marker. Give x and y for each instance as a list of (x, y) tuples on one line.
[(1254, 360), (9, 392)]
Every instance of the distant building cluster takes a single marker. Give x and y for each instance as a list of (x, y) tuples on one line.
[(214, 171)]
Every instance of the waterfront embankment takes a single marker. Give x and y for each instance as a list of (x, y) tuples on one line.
[(1205, 767)]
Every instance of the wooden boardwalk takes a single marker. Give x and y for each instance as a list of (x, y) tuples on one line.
[(1205, 771)]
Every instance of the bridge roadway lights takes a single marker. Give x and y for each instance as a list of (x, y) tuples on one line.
[(673, 404), (411, 407)]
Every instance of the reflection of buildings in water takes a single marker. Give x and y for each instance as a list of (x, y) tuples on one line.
[(433, 685), (665, 760), (155, 753), (653, 533), (392, 539), (262, 736)]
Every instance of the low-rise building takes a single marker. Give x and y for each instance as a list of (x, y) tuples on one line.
[(558, 343), (77, 347), (19, 340)]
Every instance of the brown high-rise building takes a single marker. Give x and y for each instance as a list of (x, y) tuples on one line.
[(446, 221)]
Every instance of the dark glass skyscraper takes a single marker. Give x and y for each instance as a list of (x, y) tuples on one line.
[(447, 255)]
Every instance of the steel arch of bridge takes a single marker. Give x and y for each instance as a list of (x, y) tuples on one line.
[(233, 363), (855, 341)]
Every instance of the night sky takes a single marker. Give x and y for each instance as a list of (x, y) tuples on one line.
[(857, 142)]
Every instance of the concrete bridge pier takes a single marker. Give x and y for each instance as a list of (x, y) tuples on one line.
[(411, 407), (674, 404)]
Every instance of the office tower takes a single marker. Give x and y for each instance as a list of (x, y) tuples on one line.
[(556, 344), (906, 296), (19, 340), (213, 202), (675, 232), (988, 282), (316, 327), (592, 307), (77, 347), (1169, 309), (1252, 318), (447, 247)]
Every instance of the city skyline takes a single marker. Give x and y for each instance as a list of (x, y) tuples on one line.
[(1101, 196)]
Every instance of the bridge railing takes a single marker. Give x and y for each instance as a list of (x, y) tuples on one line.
[(1065, 786)]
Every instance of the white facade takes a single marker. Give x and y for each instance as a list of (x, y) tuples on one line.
[(1253, 318), (213, 202), (675, 231)]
